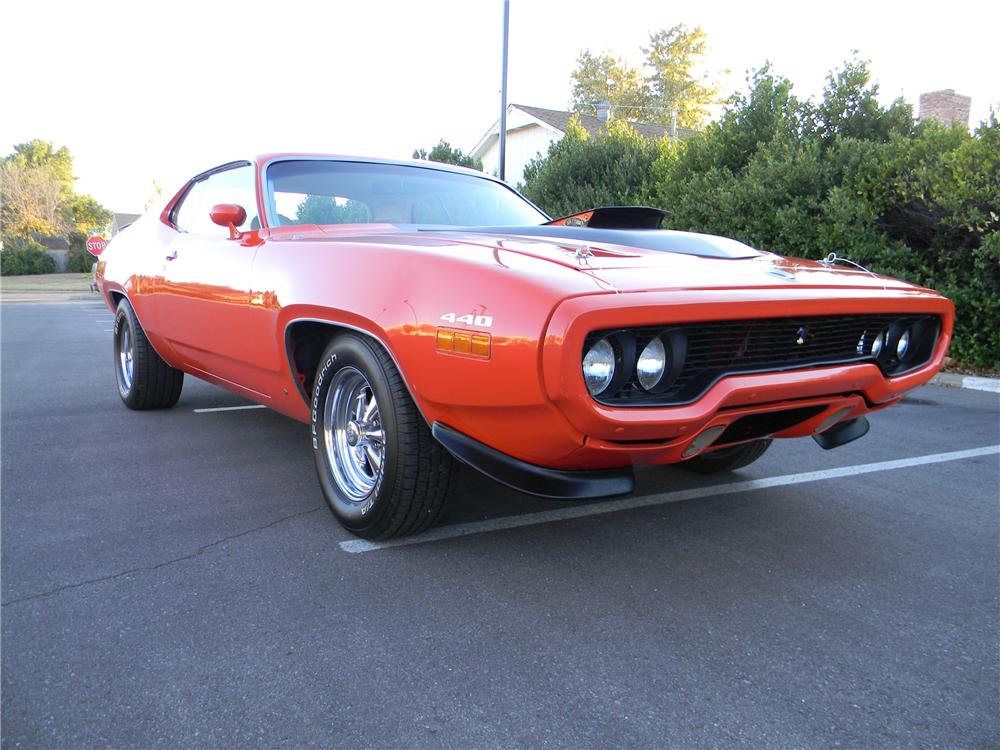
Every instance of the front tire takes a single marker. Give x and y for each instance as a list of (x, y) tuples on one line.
[(727, 459), (382, 473), (144, 380)]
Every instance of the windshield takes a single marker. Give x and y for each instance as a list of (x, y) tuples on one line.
[(347, 192)]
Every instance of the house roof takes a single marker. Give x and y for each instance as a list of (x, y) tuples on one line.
[(592, 124), (558, 119)]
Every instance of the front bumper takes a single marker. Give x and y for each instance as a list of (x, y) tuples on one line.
[(613, 435), (563, 428)]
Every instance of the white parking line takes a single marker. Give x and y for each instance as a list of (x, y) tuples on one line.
[(614, 506), (229, 408)]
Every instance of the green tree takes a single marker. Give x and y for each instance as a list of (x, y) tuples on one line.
[(669, 82), (36, 190), (33, 201), (87, 213), (673, 57), (322, 209), (600, 78), (850, 109), (443, 152), (42, 154), (614, 167)]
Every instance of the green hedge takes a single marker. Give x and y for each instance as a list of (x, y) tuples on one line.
[(21, 257), (78, 259), (844, 175)]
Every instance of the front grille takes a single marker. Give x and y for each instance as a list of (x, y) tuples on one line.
[(715, 349)]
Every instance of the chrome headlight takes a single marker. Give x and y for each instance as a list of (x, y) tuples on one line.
[(652, 364), (877, 344), (599, 366), (903, 345)]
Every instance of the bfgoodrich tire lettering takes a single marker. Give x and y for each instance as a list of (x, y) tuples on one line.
[(381, 471), (144, 380)]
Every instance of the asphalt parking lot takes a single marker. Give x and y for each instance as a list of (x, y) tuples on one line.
[(173, 579)]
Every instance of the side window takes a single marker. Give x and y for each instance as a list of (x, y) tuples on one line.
[(232, 186)]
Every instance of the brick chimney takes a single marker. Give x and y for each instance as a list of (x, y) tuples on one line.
[(945, 106)]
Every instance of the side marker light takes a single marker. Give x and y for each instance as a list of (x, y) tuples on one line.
[(469, 343)]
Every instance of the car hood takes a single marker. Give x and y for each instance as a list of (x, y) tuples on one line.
[(654, 260), (668, 260)]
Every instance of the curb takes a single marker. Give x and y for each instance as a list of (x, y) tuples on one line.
[(971, 382)]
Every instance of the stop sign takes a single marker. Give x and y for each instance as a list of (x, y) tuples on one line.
[(96, 245)]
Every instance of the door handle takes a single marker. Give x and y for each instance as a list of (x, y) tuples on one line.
[(172, 256)]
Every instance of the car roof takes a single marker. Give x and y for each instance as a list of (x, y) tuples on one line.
[(281, 156), (266, 158)]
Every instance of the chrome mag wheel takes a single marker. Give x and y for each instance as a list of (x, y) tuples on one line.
[(126, 353), (382, 473), (353, 435)]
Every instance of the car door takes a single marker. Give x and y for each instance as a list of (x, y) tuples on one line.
[(202, 304)]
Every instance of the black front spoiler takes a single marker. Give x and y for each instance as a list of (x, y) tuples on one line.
[(842, 434), (534, 480)]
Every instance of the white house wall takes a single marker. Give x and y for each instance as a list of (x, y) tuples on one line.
[(527, 137), (523, 145)]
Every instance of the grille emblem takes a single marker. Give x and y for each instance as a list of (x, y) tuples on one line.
[(800, 335)]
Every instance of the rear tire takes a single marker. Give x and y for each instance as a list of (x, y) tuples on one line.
[(382, 473), (727, 459), (144, 380)]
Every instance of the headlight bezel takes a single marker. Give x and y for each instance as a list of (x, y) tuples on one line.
[(627, 347), (921, 333)]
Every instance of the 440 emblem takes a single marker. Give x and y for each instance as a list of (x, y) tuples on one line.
[(480, 321)]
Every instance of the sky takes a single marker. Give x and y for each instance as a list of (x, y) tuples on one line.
[(143, 92)]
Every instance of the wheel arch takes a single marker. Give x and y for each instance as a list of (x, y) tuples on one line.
[(117, 296), (306, 338)]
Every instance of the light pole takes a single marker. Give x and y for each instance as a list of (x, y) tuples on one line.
[(503, 92)]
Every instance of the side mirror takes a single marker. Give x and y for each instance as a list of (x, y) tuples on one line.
[(229, 215)]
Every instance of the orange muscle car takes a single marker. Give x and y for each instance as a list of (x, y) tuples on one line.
[(415, 313)]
